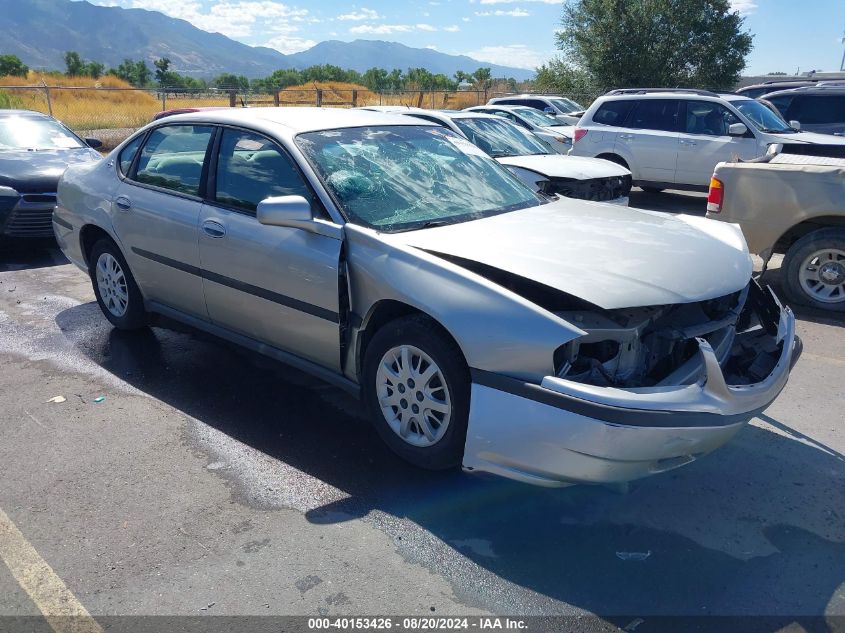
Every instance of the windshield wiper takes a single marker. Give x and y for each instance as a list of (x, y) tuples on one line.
[(430, 224)]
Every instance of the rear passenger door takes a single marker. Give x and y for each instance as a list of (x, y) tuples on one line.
[(704, 141), (649, 143), (277, 285), (155, 215)]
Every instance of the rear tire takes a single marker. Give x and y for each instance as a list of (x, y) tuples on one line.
[(416, 386), (114, 286), (814, 270)]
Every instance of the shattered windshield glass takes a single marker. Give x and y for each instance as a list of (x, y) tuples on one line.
[(396, 178), (498, 138)]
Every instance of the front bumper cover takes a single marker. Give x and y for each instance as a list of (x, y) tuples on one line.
[(562, 432)]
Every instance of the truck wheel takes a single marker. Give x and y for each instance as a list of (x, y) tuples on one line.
[(416, 384), (814, 270), (115, 287)]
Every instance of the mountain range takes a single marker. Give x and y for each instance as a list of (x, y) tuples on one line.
[(40, 31)]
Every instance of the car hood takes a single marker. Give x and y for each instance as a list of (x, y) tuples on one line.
[(811, 137), (613, 257), (560, 166), (39, 171)]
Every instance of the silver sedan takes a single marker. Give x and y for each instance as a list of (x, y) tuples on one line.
[(483, 325)]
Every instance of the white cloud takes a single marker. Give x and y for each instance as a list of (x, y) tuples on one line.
[(516, 55), (515, 1), (381, 29), (744, 7), (513, 13), (452, 29), (386, 29), (286, 44), (233, 18), (362, 14)]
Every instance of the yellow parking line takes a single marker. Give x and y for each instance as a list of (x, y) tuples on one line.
[(63, 612)]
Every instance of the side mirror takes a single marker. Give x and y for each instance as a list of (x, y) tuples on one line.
[(290, 211), (93, 143), (737, 129), (795, 124)]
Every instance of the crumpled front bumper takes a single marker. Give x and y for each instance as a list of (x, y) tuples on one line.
[(562, 432)]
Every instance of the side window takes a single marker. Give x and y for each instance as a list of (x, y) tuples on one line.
[(655, 114), (127, 155), (708, 118), (251, 168), (613, 112), (536, 104), (173, 156), (818, 109)]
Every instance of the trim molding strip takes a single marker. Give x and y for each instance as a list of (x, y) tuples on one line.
[(263, 293)]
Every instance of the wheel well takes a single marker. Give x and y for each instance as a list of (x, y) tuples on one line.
[(614, 158), (89, 235), (383, 313), (808, 226)]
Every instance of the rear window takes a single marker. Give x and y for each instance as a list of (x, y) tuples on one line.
[(613, 112), (655, 114)]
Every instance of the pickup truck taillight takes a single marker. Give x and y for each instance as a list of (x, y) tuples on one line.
[(579, 134), (716, 196)]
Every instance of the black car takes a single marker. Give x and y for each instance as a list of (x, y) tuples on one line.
[(35, 149), (818, 109)]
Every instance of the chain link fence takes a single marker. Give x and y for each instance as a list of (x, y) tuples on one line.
[(112, 114)]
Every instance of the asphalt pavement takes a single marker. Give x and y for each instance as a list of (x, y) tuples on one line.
[(181, 475)]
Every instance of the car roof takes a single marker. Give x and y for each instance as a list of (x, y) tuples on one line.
[(295, 119), (439, 114), (527, 95), (808, 90)]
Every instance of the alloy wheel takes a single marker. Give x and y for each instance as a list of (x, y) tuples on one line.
[(822, 275), (111, 283)]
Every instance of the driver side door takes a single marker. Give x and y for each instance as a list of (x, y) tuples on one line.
[(276, 285)]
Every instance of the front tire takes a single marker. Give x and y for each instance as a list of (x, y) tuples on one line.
[(114, 286), (814, 270), (416, 385), (652, 189)]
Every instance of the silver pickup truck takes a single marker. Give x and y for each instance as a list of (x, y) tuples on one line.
[(791, 201)]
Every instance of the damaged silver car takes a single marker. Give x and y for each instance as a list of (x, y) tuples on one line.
[(484, 325)]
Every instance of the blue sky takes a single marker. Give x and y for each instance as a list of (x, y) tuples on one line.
[(788, 35)]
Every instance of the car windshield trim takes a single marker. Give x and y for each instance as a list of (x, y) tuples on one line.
[(21, 133), (394, 178)]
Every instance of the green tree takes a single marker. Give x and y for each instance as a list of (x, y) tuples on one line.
[(74, 64), (136, 73), (162, 69), (231, 81), (375, 79), (12, 65), (93, 69), (660, 43), (481, 78), (560, 77)]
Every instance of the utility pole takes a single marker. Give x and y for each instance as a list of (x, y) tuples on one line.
[(842, 64)]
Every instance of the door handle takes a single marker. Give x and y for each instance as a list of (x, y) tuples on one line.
[(683, 142), (626, 137), (123, 203), (213, 228)]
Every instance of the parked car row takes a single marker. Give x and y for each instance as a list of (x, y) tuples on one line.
[(485, 324)]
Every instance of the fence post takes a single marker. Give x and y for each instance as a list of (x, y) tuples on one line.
[(233, 98), (163, 101), (49, 99), (276, 98), (354, 98), (319, 97)]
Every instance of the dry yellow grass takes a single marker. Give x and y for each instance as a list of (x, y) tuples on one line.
[(109, 102)]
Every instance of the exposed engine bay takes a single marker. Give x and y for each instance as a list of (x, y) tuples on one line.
[(659, 345)]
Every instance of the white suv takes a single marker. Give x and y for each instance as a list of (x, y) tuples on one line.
[(672, 139)]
